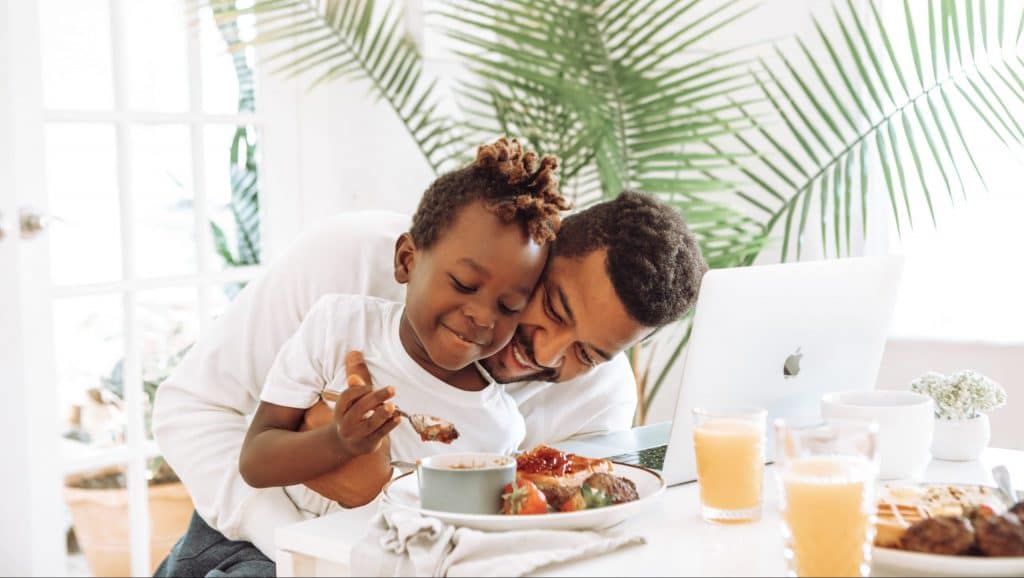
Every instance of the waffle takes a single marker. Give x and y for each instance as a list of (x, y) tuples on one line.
[(893, 519), (901, 506)]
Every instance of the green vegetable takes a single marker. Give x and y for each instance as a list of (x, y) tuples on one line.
[(595, 498)]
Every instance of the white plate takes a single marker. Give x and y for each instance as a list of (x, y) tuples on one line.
[(403, 492), (918, 564)]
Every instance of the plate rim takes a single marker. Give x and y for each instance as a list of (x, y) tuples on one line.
[(493, 517), (924, 557)]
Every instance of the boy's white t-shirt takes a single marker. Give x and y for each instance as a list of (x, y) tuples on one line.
[(314, 359)]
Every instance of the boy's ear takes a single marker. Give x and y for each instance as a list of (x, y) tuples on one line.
[(405, 257)]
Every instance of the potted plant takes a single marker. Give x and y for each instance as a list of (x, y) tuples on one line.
[(962, 403), (98, 502), (98, 499)]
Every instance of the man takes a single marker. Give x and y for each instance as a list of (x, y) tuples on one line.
[(619, 270)]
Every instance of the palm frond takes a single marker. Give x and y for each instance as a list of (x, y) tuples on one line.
[(903, 115), (353, 39), (243, 167), (610, 89), (245, 200)]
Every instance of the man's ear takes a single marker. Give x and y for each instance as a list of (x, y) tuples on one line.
[(405, 257)]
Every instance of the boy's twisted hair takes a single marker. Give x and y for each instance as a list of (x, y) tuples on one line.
[(514, 184)]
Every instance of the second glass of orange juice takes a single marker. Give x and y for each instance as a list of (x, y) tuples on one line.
[(729, 446), (826, 479)]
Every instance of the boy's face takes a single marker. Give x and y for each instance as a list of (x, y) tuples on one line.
[(574, 321), (466, 293)]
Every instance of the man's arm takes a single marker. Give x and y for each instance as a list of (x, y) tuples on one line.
[(358, 481), (199, 418), (201, 439)]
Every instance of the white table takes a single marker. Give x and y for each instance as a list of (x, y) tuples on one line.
[(679, 543)]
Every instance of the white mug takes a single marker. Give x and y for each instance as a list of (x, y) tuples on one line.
[(906, 423)]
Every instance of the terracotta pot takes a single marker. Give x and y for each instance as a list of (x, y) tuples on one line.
[(100, 517)]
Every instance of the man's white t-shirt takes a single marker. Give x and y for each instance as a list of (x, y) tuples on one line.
[(200, 415), (314, 359)]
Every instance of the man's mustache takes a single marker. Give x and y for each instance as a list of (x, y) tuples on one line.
[(546, 373)]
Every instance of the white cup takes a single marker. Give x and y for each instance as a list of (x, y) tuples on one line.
[(906, 423)]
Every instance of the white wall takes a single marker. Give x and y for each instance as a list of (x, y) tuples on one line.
[(356, 154)]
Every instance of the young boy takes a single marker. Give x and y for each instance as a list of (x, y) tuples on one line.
[(477, 247)]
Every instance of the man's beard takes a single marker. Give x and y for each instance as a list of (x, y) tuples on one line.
[(502, 373)]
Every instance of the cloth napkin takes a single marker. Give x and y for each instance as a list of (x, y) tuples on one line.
[(404, 543)]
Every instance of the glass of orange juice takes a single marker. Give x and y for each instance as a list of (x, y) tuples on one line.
[(827, 476), (729, 446)]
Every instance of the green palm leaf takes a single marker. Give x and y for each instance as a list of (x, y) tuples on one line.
[(354, 39), (244, 174), (611, 90), (884, 111)]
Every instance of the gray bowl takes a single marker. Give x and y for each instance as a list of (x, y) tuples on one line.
[(466, 483)]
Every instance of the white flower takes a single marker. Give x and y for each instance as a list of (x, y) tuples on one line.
[(963, 395)]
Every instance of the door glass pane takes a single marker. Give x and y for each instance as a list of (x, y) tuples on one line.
[(162, 195), (156, 57), (226, 76), (89, 351), (233, 194), (81, 181), (76, 55), (222, 296), (168, 326)]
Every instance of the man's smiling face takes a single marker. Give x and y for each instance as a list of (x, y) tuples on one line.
[(574, 321)]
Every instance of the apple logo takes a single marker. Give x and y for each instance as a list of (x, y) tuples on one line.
[(791, 368)]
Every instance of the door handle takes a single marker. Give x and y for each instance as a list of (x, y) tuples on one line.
[(32, 223)]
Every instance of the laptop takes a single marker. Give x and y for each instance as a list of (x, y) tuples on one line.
[(773, 336)]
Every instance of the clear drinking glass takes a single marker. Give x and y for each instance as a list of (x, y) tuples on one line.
[(729, 446), (826, 475)]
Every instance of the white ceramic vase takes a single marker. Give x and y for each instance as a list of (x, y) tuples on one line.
[(961, 440)]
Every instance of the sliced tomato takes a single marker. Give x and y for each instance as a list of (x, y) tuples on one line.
[(986, 511), (523, 498)]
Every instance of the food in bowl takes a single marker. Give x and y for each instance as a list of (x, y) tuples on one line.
[(949, 519), (479, 465), (567, 482)]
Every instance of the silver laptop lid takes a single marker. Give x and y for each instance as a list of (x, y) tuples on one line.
[(778, 337)]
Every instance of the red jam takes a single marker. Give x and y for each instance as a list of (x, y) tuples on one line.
[(545, 460)]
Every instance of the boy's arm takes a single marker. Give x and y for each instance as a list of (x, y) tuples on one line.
[(275, 454)]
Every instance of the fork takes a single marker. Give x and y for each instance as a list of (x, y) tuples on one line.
[(429, 428), (1002, 478)]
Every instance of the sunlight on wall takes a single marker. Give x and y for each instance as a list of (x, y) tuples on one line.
[(964, 279)]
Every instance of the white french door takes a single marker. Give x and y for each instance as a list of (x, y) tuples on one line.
[(31, 541), (123, 139)]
